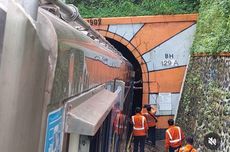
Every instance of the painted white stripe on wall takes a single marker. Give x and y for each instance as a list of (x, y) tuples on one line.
[(172, 53), (125, 30)]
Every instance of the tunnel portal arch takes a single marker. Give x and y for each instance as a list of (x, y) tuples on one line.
[(132, 54), (160, 45), (136, 67)]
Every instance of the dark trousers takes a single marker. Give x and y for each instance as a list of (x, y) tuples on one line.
[(172, 149), (117, 143), (139, 140), (152, 134)]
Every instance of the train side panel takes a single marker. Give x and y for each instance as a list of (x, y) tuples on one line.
[(23, 76), (82, 65)]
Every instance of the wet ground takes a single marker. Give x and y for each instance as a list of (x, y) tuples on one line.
[(148, 148), (159, 147)]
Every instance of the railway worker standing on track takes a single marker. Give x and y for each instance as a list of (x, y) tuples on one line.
[(151, 120), (118, 126), (140, 130), (189, 146), (173, 137)]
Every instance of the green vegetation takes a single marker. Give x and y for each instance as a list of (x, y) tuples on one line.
[(114, 8), (213, 31)]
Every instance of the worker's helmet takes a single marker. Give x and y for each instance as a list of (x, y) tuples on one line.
[(171, 122), (149, 108), (138, 110)]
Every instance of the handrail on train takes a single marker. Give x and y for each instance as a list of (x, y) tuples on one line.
[(70, 14)]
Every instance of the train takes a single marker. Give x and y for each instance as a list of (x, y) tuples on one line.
[(64, 88)]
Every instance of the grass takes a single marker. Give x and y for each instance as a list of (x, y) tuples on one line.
[(115, 8), (213, 30)]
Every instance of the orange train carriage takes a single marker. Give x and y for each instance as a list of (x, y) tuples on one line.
[(62, 85)]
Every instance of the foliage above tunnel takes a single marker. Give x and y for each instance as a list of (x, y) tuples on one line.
[(114, 8), (213, 31)]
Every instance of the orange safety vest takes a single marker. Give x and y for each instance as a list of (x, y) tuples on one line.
[(174, 136), (187, 148), (119, 123), (140, 126), (150, 120)]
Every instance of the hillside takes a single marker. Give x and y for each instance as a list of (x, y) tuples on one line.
[(213, 30), (114, 8)]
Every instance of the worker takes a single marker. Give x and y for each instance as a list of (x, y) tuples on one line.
[(140, 130), (118, 126), (173, 137), (151, 120), (189, 146)]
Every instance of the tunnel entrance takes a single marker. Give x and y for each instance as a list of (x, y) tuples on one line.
[(137, 97)]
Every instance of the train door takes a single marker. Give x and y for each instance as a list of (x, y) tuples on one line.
[(97, 143), (100, 142)]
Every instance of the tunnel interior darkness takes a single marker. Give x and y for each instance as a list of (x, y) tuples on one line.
[(137, 97)]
